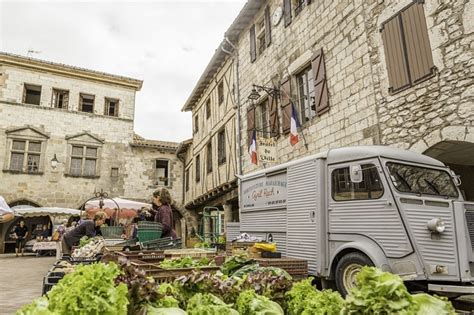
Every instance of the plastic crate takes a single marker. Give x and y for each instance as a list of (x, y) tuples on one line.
[(162, 243), (112, 231), (146, 225), (47, 286), (142, 255), (271, 255), (148, 235)]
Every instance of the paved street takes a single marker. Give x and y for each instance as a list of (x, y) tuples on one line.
[(22, 280)]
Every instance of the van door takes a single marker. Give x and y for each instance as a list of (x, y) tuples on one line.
[(304, 215), (365, 209)]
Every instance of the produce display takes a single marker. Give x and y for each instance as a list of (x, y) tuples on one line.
[(186, 262), (241, 287), (90, 248), (90, 289)]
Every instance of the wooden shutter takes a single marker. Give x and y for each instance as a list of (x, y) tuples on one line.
[(394, 55), (250, 123), (418, 50), (274, 123), (253, 44), (286, 105), (268, 27), (320, 84), (287, 12)]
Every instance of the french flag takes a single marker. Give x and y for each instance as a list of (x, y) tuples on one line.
[(253, 148), (294, 125)]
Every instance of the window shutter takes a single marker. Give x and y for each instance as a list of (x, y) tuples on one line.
[(420, 59), (394, 56), (268, 27), (274, 125), (250, 123), (287, 12), (286, 105), (320, 84), (253, 44)]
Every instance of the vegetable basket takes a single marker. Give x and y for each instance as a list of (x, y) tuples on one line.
[(111, 231), (148, 235)]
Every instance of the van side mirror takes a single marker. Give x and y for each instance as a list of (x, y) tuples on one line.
[(456, 178), (356, 173)]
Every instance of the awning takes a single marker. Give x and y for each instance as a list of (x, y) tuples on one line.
[(122, 203), (43, 211)]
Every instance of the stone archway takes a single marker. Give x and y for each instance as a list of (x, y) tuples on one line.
[(459, 156), (23, 202), (189, 217)]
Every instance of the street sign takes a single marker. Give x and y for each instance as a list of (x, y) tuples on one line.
[(266, 150)]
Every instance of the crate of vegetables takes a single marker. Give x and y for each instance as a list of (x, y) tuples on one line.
[(195, 252), (143, 255), (297, 268)]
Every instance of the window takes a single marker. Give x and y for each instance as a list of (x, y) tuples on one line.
[(407, 48), (186, 179), (198, 168), (162, 172), (208, 108), (221, 155), (114, 172), (305, 86), (421, 180), (83, 161), (111, 107), (32, 94), (60, 98), (196, 123), (220, 92), (262, 119), (86, 103), (209, 157), (370, 187), (25, 156), (260, 32), (298, 5)]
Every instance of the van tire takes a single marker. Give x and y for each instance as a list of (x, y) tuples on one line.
[(346, 270)]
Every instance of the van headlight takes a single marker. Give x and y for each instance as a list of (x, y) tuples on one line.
[(436, 225)]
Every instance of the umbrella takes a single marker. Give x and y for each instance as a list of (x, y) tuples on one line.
[(128, 208), (6, 214), (42, 211)]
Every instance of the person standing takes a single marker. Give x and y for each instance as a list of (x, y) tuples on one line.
[(89, 228), (164, 214), (21, 232)]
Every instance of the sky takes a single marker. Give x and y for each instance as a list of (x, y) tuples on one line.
[(167, 44)]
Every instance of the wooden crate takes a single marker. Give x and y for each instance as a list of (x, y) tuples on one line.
[(142, 255), (295, 267), (194, 253)]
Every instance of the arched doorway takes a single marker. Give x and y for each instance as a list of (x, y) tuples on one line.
[(23, 202), (459, 156)]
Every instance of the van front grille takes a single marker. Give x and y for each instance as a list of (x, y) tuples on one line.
[(470, 225)]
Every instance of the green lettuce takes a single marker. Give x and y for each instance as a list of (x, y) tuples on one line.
[(305, 299), (250, 303), (39, 306), (208, 304), (425, 304), (165, 311)]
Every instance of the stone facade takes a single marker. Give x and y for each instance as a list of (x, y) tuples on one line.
[(125, 163)]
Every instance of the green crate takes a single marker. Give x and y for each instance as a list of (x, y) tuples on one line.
[(146, 225), (148, 235), (112, 231)]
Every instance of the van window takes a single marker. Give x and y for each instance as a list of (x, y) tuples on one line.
[(421, 180), (370, 187)]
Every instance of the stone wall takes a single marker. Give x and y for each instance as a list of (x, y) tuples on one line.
[(440, 108), (338, 28)]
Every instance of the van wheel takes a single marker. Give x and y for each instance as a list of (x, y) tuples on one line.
[(347, 269)]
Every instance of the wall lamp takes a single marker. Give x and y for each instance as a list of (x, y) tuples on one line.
[(255, 93), (55, 162)]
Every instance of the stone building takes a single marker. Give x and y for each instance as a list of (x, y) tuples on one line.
[(66, 132), (211, 157), (395, 73)]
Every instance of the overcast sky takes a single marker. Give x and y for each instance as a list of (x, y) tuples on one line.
[(165, 43)]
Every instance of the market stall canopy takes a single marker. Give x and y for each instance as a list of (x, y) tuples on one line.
[(128, 208), (50, 211), (6, 214)]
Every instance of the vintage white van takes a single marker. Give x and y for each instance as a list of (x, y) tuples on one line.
[(366, 205)]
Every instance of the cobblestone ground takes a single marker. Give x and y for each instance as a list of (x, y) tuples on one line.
[(21, 280)]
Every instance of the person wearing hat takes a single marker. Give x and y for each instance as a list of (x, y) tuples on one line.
[(87, 228)]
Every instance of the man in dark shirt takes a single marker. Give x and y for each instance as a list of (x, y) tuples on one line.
[(21, 232), (86, 228)]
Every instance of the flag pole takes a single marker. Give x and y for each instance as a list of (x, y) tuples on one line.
[(293, 105)]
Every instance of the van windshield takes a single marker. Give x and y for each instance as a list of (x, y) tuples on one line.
[(421, 180)]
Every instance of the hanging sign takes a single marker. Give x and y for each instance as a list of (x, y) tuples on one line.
[(266, 150)]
